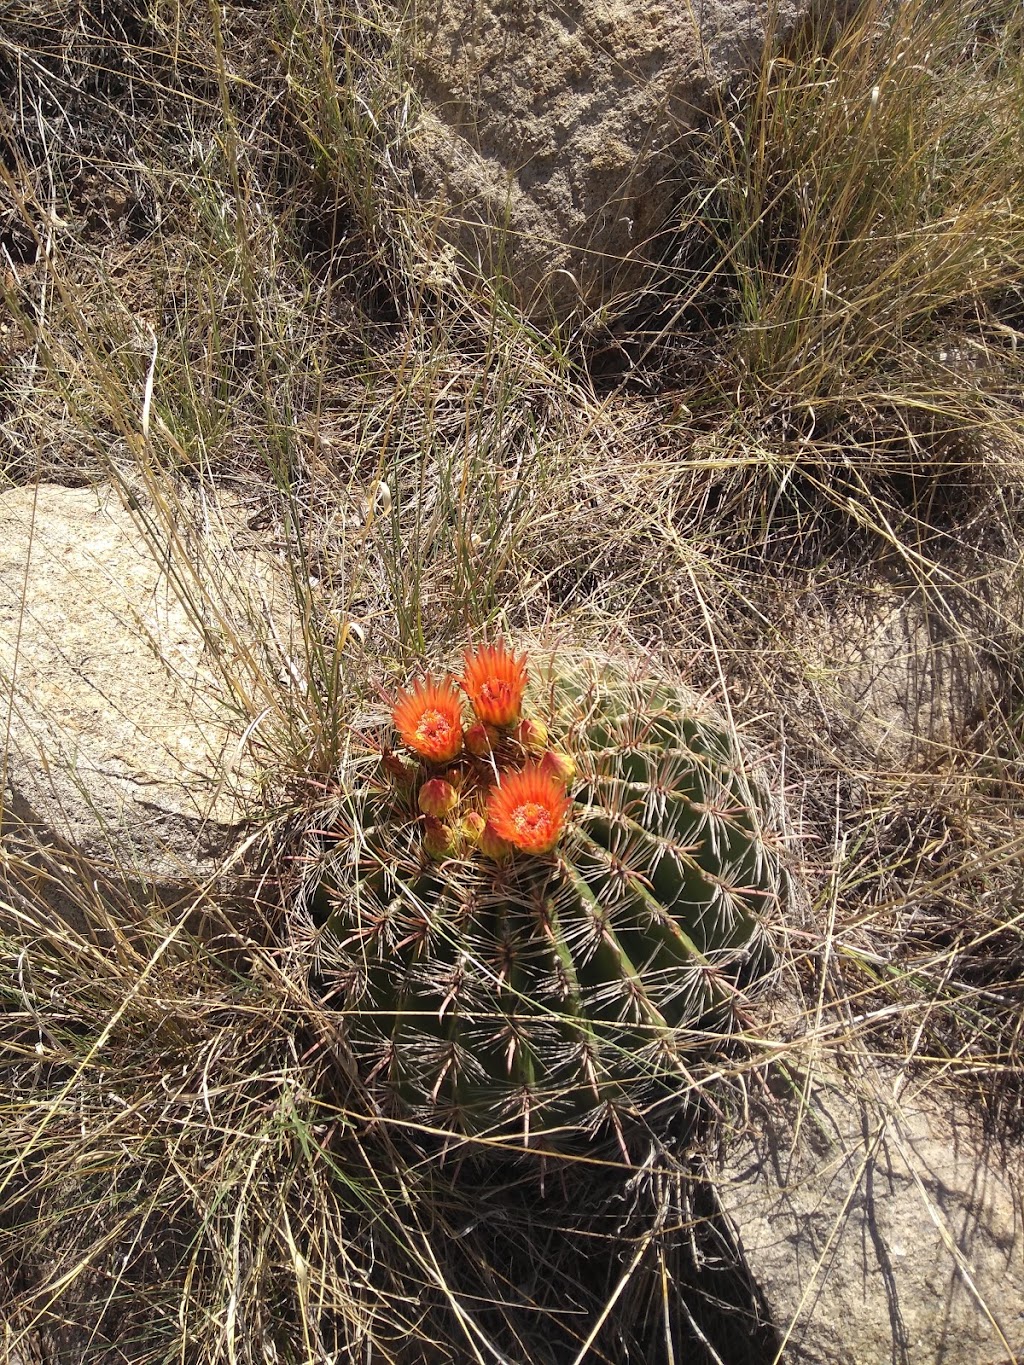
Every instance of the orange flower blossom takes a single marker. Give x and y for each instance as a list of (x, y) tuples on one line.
[(429, 718), (495, 682), (528, 809)]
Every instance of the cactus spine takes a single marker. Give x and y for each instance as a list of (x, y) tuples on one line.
[(542, 932)]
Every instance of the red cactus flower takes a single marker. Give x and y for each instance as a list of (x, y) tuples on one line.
[(429, 718), (528, 809), (495, 682)]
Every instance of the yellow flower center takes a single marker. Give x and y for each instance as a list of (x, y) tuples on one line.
[(496, 691), (434, 728), (532, 821)]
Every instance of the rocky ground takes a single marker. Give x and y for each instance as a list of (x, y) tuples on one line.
[(330, 342)]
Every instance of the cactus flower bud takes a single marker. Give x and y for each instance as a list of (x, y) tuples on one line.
[(473, 826), (559, 766), (480, 739), (531, 734), (438, 839), (492, 845), (438, 798)]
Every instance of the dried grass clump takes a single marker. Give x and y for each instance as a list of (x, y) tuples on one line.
[(821, 408)]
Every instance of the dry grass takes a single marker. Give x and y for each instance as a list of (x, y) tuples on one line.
[(821, 408)]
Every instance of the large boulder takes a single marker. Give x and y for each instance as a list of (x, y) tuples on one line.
[(881, 1228), (550, 139), (900, 676), (122, 761)]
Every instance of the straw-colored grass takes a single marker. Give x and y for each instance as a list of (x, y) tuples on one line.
[(226, 314)]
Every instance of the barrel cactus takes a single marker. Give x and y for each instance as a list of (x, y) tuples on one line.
[(533, 921)]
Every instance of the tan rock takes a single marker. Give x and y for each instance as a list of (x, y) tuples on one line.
[(119, 751), (903, 674), (881, 1229), (550, 141)]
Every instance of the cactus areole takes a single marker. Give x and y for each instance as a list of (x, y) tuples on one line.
[(551, 945)]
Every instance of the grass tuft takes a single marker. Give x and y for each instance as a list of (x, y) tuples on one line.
[(796, 484)]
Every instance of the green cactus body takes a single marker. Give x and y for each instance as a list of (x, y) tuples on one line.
[(546, 993)]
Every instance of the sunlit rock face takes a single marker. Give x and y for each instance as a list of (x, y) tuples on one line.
[(123, 764), (550, 140), (880, 1224)]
